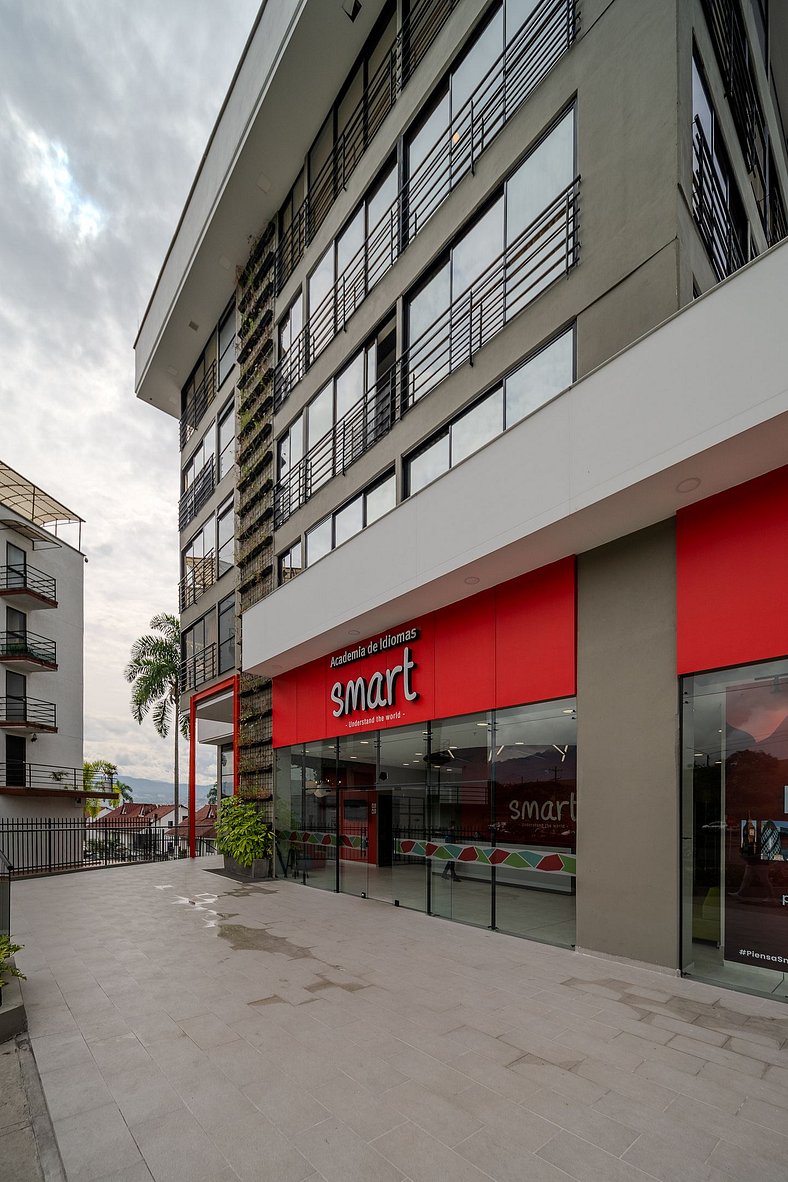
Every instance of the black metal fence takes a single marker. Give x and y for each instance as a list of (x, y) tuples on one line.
[(197, 494), (23, 645), (17, 773), (27, 712), (27, 578), (46, 845)]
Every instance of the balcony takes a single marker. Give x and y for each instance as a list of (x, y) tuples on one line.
[(198, 668), (27, 715), (199, 577), (545, 36), (28, 587), (49, 779), (546, 250), (27, 652), (197, 494), (197, 403)]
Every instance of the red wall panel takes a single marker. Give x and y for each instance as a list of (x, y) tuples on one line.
[(503, 647), (732, 576)]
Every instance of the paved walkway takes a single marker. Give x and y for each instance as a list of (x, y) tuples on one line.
[(190, 1028)]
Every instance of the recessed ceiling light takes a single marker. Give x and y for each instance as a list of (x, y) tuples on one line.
[(568, 711), (354, 757), (364, 742), (263, 183), (471, 580), (688, 485), (418, 752), (481, 724), (353, 632), (519, 743), (406, 764), (225, 262), (193, 326), (172, 371)]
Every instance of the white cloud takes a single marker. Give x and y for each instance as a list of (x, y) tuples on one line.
[(45, 168)]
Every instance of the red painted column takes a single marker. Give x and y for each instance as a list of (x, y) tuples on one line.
[(192, 777), (236, 722)]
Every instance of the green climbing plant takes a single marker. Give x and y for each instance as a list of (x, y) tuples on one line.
[(241, 833)]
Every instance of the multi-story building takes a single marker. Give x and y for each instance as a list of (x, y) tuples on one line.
[(41, 662), (510, 502)]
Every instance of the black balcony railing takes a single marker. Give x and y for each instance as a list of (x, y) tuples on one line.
[(6, 870), (198, 668), (49, 845), (197, 403), (711, 209), (27, 578), (28, 713), (418, 31), (23, 645), (545, 250), (19, 774), (199, 577), (197, 494), (533, 50)]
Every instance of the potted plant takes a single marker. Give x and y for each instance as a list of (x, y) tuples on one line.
[(7, 967), (244, 838)]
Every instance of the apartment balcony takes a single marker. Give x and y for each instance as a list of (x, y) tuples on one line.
[(27, 715), (29, 587), (198, 668), (197, 404), (199, 577), (26, 652), (197, 494), (51, 779)]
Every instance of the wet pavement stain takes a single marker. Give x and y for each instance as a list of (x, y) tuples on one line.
[(352, 987), (243, 892), (259, 940)]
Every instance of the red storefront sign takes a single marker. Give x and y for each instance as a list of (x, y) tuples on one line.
[(510, 645)]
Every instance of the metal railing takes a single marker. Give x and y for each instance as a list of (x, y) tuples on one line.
[(49, 845), (28, 646), (27, 578), (27, 712), (5, 898), (711, 210), (198, 668), (533, 50), (197, 494), (418, 31), (200, 576), (19, 774), (545, 250), (197, 404)]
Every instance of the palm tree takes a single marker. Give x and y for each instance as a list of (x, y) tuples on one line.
[(94, 774), (154, 671)]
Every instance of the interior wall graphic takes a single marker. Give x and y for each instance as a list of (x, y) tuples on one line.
[(756, 823)]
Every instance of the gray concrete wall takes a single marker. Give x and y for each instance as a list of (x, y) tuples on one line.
[(627, 738)]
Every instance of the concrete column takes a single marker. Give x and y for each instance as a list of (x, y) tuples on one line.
[(628, 764)]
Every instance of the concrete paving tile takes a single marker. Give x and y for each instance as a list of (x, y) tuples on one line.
[(731, 1129), (56, 1019), (357, 1107), (424, 1158), (141, 1093), (509, 1083), (677, 1053), (90, 1140), (206, 1030), (174, 1146), (744, 1165), (625, 1083), (661, 1158), (442, 1118), (339, 1156), (120, 1052), (760, 1112), (690, 1137), (686, 1084), (60, 1050), (138, 1173), (500, 1155), (73, 1089), (690, 1029), (586, 1162), (607, 1132), (286, 1104), (258, 1150), (744, 1085), (585, 1046), (107, 1024), (241, 1062), (736, 1061)]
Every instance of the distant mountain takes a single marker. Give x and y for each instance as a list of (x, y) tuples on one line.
[(160, 791)]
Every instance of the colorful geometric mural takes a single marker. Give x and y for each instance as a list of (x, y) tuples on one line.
[(346, 840), (547, 863)]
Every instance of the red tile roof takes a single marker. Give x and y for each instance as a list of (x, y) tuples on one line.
[(135, 813), (204, 823)]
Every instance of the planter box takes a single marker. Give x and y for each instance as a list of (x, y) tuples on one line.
[(13, 1019), (260, 868)]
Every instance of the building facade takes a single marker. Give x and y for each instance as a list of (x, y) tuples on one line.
[(506, 446), (41, 652)]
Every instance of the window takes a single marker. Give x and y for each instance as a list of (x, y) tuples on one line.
[(382, 237), (203, 455), (16, 626), (291, 447), (16, 561), (423, 152), (16, 696), (197, 564), (227, 439), (318, 541), (227, 634), (349, 521), (380, 499), (226, 769), (225, 538), (321, 325), (226, 343), (290, 563), (530, 386), (199, 657)]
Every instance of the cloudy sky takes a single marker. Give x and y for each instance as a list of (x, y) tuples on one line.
[(105, 109)]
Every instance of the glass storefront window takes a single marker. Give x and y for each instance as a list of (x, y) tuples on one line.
[(470, 818), (735, 827)]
